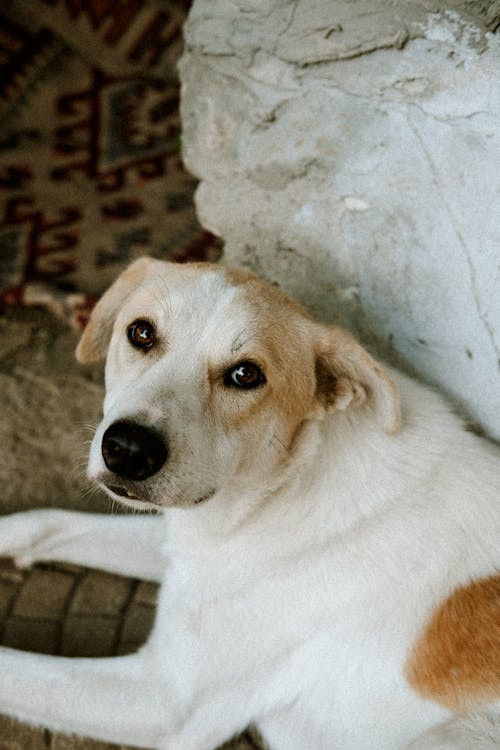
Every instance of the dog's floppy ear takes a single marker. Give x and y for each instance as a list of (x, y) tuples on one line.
[(95, 339), (347, 375)]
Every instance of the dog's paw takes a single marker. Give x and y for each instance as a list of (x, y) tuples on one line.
[(24, 560), (27, 537)]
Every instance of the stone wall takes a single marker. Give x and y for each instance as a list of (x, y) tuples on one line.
[(350, 151)]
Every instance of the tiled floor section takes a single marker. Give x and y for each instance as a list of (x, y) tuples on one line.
[(72, 611)]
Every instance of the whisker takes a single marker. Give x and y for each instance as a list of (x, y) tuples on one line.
[(87, 426)]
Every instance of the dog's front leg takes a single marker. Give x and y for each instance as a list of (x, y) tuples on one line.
[(120, 699), (214, 720), (121, 544)]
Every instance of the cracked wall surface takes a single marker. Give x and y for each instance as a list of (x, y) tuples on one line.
[(350, 151)]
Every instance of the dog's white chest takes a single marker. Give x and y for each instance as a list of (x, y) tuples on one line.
[(289, 637)]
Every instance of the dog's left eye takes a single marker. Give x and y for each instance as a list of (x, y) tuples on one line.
[(141, 334), (245, 375)]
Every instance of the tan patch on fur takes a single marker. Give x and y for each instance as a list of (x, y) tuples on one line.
[(359, 377), (266, 291), (279, 330), (288, 393), (345, 373), (95, 338), (456, 660)]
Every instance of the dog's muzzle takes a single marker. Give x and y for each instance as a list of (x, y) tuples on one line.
[(132, 451)]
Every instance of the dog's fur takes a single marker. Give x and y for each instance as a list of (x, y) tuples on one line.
[(329, 547)]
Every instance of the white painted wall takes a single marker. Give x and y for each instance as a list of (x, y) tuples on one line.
[(363, 177)]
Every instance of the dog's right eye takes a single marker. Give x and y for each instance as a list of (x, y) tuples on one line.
[(141, 334), (246, 375)]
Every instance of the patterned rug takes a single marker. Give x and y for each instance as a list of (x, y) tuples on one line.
[(90, 169)]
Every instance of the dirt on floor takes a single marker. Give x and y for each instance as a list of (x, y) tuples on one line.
[(50, 405)]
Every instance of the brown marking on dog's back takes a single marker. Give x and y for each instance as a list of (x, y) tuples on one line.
[(456, 660)]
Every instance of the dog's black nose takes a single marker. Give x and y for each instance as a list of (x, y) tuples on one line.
[(133, 452)]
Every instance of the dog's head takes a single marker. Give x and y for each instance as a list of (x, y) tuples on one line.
[(210, 376)]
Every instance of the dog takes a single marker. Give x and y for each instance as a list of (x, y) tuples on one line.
[(326, 535)]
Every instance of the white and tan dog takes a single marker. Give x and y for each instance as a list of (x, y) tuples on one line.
[(329, 549)]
